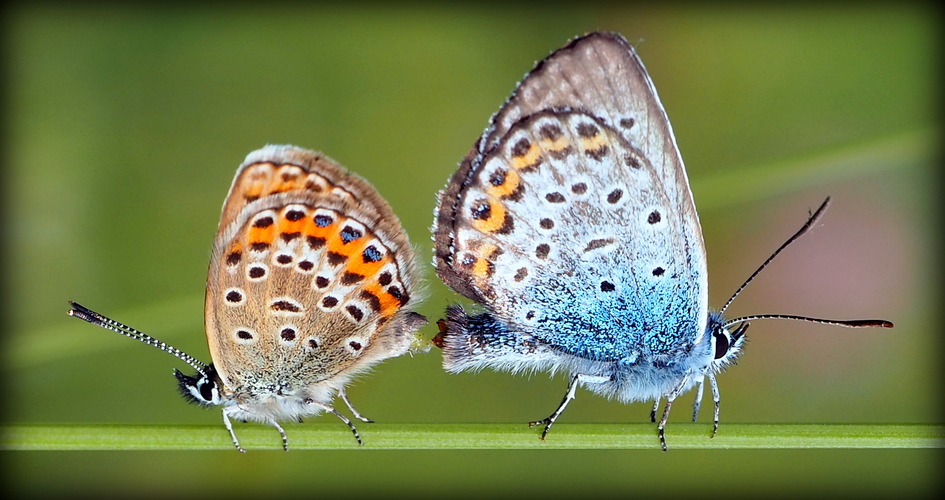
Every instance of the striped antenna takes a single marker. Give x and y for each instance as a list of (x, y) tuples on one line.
[(856, 323), (84, 313)]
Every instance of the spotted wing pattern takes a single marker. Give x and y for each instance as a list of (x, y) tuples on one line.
[(571, 220), (311, 278)]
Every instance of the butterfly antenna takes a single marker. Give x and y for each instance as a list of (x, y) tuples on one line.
[(855, 323), (806, 227), (849, 323), (84, 313)]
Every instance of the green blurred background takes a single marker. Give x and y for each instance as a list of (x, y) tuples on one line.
[(125, 125)]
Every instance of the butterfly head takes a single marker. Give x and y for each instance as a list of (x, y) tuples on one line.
[(202, 388), (726, 343)]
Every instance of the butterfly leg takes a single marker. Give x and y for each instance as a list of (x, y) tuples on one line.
[(285, 439), (550, 420), (715, 398), (568, 396), (669, 403), (344, 397), (229, 427), (698, 402), (344, 419)]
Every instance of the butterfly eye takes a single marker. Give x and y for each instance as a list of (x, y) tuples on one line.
[(198, 389), (721, 342), (725, 340), (206, 391)]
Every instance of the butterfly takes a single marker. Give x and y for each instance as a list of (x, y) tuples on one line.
[(312, 280), (571, 223)]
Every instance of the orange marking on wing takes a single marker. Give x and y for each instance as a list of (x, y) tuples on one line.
[(554, 145), (333, 242), (512, 180), (253, 191), (262, 234), (352, 249), (369, 270), (594, 143), (481, 267), (313, 234), (337, 244), (308, 227), (528, 159), (496, 218), (291, 184), (389, 303), (276, 185), (260, 171), (312, 229), (269, 178), (285, 225)]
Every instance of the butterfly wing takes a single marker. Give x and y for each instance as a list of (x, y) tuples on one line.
[(311, 278), (571, 219)]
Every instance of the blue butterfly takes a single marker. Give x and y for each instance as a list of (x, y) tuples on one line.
[(572, 223)]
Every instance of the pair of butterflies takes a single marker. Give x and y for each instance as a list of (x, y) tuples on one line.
[(570, 222)]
